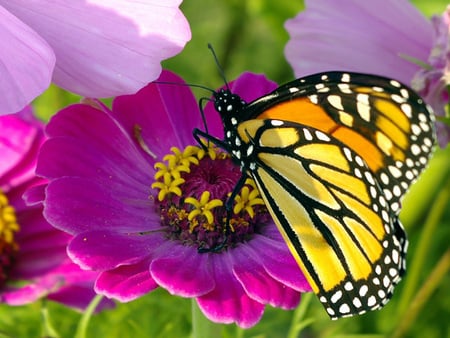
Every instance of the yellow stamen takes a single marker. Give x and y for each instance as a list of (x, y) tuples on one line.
[(246, 200), (173, 170), (169, 185), (184, 158), (203, 207), (8, 222)]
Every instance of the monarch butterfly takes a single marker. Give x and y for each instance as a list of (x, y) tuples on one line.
[(332, 154)]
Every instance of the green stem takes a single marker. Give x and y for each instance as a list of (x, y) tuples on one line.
[(201, 326), (423, 295), (298, 320), (49, 330), (84, 322), (421, 254)]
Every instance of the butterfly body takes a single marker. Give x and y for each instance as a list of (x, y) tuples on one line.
[(332, 155)]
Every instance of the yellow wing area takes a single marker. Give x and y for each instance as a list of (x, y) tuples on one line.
[(330, 217), (331, 264)]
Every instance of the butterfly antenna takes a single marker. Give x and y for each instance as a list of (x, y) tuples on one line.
[(222, 73), (200, 102), (186, 85)]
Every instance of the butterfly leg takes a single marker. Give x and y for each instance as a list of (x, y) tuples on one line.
[(229, 209), (198, 134)]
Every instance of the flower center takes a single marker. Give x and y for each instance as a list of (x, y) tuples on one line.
[(8, 228), (194, 186)]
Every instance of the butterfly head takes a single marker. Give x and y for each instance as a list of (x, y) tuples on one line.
[(228, 104)]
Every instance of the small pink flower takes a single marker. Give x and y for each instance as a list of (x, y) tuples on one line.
[(388, 37), (33, 259), (92, 48), (144, 197)]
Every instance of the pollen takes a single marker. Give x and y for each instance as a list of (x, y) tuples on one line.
[(8, 229)]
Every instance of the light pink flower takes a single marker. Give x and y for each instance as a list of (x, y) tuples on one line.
[(92, 48)]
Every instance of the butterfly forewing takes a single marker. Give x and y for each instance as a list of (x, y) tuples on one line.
[(383, 121), (331, 212)]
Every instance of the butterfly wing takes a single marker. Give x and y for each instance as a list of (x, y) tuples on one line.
[(331, 211), (383, 121)]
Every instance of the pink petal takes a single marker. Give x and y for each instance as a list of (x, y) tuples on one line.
[(78, 297), (97, 250), (229, 302), (126, 282), (20, 139), (66, 274), (42, 247), (258, 283), (361, 36), (173, 106), (16, 138), (182, 270), (26, 64), (106, 48)]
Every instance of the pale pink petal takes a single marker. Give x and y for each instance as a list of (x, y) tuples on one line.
[(106, 48), (26, 63), (362, 36)]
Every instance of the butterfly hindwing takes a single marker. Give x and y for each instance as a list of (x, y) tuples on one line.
[(331, 212)]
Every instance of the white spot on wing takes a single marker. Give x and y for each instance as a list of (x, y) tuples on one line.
[(276, 123), (335, 101), (395, 83), (345, 77)]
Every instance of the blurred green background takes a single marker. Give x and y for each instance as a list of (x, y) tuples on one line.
[(249, 35)]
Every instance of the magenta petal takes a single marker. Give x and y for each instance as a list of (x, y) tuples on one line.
[(126, 282), (106, 48), (31, 291), (42, 247), (112, 150), (78, 211), (258, 284), (160, 110), (35, 195), (66, 275), (229, 302), (97, 250), (20, 139), (182, 270), (26, 63), (276, 251)]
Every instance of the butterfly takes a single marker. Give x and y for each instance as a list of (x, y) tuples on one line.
[(332, 155)]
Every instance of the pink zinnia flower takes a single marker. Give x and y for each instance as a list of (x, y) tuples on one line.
[(92, 48), (33, 259), (389, 38), (144, 197)]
